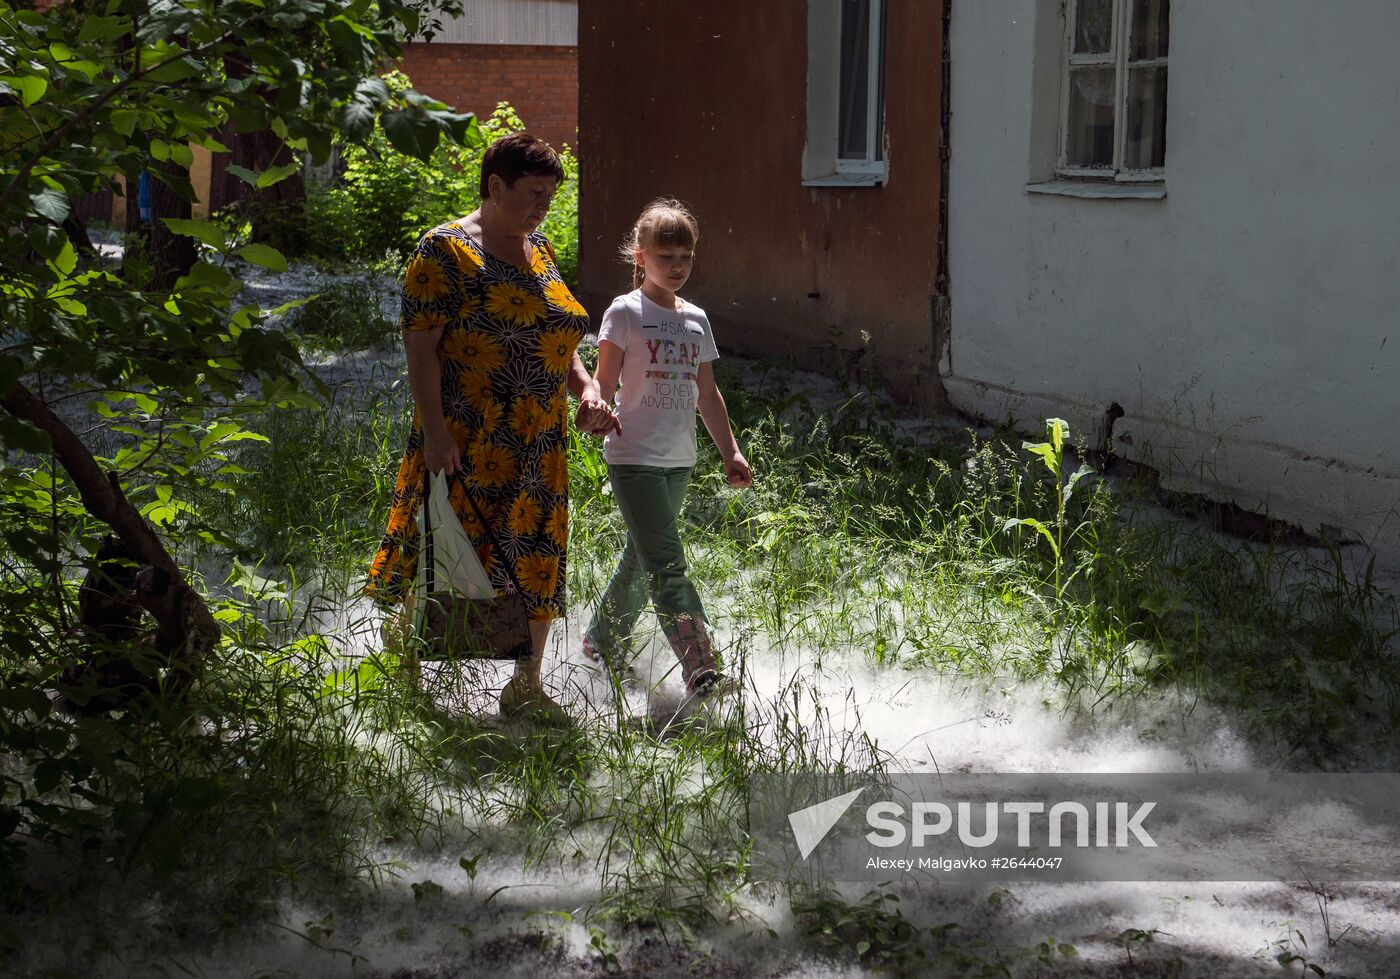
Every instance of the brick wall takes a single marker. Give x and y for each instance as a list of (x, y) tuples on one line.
[(540, 81)]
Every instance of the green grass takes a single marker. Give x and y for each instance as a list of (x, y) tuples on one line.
[(348, 317), (291, 763)]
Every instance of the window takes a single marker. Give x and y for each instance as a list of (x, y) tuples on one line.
[(1114, 105), (845, 93)]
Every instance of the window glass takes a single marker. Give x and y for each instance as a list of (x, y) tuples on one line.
[(1093, 27), (853, 125), (1145, 144), (1089, 142), (1149, 29)]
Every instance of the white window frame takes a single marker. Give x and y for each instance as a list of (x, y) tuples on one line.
[(1117, 59), (822, 165)]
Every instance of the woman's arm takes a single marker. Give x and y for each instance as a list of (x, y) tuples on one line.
[(440, 450), (716, 417)]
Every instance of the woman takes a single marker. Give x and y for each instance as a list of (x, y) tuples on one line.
[(491, 332)]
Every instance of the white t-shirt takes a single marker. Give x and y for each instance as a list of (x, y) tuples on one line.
[(662, 350)]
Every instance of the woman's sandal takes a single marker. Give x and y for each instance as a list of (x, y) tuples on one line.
[(524, 701)]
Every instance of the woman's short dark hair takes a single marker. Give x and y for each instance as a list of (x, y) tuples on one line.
[(519, 155)]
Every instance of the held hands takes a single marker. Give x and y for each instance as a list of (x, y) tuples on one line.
[(737, 471), (596, 417)]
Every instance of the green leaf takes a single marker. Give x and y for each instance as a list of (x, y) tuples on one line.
[(249, 177), (51, 204), (290, 304), (102, 28), (204, 277), (357, 119), (1058, 429), (412, 132), (1046, 452), (274, 175), (47, 775), (193, 118), (1035, 525), (1079, 474), (18, 434), (10, 370), (88, 69), (179, 181), (464, 128), (211, 234), (23, 698), (373, 90), (182, 154), (124, 120), (66, 261), (159, 513), (29, 88), (47, 239), (264, 255)]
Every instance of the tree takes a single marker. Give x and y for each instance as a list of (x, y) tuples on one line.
[(90, 92)]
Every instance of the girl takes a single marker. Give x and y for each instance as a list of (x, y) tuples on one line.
[(659, 348)]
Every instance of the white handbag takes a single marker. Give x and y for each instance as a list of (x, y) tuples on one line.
[(458, 614)]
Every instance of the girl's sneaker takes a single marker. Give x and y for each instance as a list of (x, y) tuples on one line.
[(711, 684), (711, 697), (625, 672), (690, 641)]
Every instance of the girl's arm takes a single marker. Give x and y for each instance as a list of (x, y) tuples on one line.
[(609, 369), (716, 418), (440, 450)]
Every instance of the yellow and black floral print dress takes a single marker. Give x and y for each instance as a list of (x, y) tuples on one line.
[(509, 334)]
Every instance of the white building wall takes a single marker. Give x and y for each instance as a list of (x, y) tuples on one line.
[(552, 22), (1247, 322)]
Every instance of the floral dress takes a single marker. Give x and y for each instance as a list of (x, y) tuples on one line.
[(509, 334)]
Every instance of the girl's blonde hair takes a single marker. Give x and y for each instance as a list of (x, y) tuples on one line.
[(665, 222)]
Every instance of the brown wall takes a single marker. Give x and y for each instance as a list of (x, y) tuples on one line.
[(540, 81), (716, 115)]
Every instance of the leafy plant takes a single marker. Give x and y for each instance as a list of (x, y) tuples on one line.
[(873, 930), (1052, 454), (1291, 949), (382, 202)]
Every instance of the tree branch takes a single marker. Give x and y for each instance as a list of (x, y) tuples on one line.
[(187, 630), (58, 135)]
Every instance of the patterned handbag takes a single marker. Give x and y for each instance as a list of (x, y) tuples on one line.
[(462, 617)]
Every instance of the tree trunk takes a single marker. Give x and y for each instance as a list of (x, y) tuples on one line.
[(277, 213), (169, 255)]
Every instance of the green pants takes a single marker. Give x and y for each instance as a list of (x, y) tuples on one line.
[(653, 562)]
